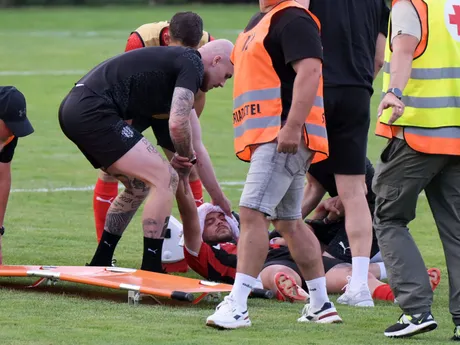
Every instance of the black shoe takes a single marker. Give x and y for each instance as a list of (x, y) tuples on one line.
[(456, 336), (409, 325)]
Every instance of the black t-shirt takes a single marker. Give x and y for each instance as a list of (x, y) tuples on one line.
[(327, 180), (349, 30), (293, 36), (141, 82), (7, 153)]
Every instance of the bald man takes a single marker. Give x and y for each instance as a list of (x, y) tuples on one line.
[(96, 117)]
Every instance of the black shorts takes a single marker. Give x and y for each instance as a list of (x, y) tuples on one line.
[(347, 111), (334, 237), (282, 256), (160, 128), (96, 128)]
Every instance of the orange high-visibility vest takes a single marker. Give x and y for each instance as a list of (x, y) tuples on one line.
[(257, 105), (431, 119)]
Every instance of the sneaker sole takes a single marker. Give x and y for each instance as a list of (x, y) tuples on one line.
[(213, 324), (288, 288), (427, 327), (364, 304), (328, 320)]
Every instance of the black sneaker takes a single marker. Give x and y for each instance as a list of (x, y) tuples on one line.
[(409, 325), (456, 336)]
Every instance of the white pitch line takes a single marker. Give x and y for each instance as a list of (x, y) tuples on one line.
[(92, 34), (45, 72), (90, 188)]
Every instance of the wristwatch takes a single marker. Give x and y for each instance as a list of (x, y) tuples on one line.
[(2, 230), (395, 91)]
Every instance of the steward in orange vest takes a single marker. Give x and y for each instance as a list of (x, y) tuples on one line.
[(279, 127), (258, 109)]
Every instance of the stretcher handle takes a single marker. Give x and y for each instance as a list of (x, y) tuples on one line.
[(262, 293), (182, 296)]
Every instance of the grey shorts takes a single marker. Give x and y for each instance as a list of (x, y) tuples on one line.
[(275, 182)]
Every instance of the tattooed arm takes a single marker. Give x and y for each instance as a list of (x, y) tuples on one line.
[(179, 121), (205, 168)]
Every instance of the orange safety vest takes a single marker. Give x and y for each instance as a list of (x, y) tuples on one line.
[(257, 105), (432, 89)]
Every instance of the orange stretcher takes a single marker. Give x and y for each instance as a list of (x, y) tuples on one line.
[(138, 283)]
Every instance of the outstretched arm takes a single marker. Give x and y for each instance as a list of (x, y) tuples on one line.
[(189, 215), (205, 168)]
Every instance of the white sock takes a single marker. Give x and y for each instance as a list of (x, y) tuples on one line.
[(258, 284), (359, 272), (242, 287), (383, 270), (317, 291)]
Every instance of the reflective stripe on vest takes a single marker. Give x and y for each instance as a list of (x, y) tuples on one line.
[(266, 95), (432, 94), (257, 104), (430, 73)]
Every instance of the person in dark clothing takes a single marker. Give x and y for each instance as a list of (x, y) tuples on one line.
[(96, 116), (14, 124), (353, 36)]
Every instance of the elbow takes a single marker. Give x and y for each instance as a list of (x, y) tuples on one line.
[(378, 64)]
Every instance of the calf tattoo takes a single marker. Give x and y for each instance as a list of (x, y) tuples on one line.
[(125, 205)]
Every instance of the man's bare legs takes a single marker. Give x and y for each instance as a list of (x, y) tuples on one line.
[(145, 170), (358, 225)]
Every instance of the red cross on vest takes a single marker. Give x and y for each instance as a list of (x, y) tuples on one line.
[(454, 19)]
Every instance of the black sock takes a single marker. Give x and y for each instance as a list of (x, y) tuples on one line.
[(152, 255), (105, 250)]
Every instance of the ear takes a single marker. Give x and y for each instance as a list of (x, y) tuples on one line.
[(216, 60), (167, 39)]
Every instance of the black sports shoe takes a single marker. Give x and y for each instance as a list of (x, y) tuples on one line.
[(456, 336), (409, 325)]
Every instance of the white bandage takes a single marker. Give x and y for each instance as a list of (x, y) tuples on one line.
[(207, 208)]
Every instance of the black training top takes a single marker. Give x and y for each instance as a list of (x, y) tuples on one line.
[(141, 82)]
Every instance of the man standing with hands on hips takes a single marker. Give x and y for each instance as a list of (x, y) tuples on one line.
[(420, 115), (279, 127)]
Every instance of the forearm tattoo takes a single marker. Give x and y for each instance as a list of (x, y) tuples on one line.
[(180, 129), (125, 205)]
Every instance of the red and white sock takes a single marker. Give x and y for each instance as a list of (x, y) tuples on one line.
[(197, 191), (104, 194)]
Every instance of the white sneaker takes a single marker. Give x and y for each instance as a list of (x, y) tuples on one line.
[(357, 298), (229, 315), (326, 314)]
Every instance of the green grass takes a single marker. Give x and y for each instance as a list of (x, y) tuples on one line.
[(57, 228)]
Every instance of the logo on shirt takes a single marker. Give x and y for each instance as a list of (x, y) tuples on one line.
[(452, 18), (127, 132)]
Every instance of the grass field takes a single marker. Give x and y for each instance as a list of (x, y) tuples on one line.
[(43, 52)]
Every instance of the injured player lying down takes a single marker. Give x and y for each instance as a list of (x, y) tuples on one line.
[(210, 247)]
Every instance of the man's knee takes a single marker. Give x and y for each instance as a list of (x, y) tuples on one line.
[(351, 187), (249, 216)]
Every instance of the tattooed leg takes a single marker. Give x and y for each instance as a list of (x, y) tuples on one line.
[(125, 205)]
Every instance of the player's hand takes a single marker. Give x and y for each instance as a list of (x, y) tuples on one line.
[(289, 139), (179, 162), (330, 209), (224, 204), (390, 100)]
